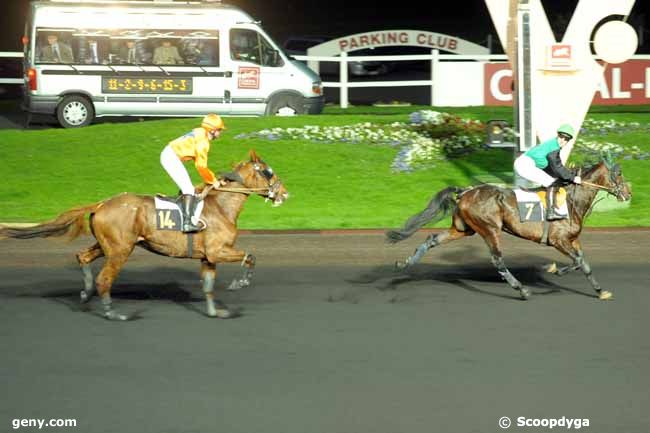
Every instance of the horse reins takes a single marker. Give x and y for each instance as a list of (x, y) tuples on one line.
[(595, 185), (266, 173), (211, 187), (240, 190)]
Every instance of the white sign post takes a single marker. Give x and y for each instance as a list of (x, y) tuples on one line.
[(555, 82)]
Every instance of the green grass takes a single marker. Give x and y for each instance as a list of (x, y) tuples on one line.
[(338, 185)]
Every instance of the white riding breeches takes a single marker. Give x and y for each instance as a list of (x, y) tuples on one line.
[(174, 167), (526, 168)]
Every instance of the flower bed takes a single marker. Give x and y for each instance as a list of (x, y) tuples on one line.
[(431, 136)]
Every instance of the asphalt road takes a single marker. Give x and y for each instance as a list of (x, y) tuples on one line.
[(331, 340)]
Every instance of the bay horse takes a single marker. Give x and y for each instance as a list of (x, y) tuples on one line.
[(125, 221), (488, 210)]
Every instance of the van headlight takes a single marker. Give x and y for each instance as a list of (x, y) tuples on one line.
[(317, 87)]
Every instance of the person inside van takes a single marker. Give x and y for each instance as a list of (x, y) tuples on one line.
[(56, 51), (127, 53), (193, 146), (92, 53), (167, 54)]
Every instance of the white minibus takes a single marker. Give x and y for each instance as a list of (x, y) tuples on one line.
[(85, 59)]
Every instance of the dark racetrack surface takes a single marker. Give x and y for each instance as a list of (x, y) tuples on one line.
[(331, 340)]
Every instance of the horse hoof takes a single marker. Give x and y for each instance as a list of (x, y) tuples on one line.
[(114, 315), (238, 284), (83, 297), (524, 293), (401, 266), (605, 295), (223, 313)]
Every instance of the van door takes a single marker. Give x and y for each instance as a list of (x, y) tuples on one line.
[(258, 70)]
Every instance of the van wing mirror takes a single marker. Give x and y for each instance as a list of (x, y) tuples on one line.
[(274, 58)]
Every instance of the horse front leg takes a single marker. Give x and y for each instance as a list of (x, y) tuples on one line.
[(603, 295), (209, 276), (574, 250), (244, 280), (229, 255)]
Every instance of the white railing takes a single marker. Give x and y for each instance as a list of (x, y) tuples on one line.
[(11, 54), (434, 57)]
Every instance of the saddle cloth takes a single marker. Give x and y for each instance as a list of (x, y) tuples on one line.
[(169, 215), (532, 204)]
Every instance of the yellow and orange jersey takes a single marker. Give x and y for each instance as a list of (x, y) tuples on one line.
[(195, 145)]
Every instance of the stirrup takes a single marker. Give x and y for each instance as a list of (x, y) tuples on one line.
[(551, 215), (188, 227)]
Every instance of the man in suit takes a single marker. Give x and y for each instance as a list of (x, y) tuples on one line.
[(128, 53), (167, 54), (55, 51), (93, 53)]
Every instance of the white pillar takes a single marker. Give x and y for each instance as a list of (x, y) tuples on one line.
[(434, 67), (343, 81)]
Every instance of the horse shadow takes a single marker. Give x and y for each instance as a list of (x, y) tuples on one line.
[(469, 277), (136, 286)]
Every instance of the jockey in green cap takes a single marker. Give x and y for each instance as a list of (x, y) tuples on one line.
[(543, 164)]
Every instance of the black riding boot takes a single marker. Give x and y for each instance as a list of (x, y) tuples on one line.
[(550, 204), (189, 204)]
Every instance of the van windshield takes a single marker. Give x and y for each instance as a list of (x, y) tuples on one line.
[(249, 46), (127, 46)]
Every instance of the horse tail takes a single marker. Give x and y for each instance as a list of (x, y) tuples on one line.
[(439, 207), (70, 224)]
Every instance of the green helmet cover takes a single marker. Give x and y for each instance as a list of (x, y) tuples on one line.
[(566, 129)]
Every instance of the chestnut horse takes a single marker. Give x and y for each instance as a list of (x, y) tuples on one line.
[(488, 210), (122, 222)]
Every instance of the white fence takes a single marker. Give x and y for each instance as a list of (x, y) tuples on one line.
[(15, 55), (468, 66), (440, 69), (455, 80)]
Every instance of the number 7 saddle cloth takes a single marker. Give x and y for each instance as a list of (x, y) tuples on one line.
[(532, 204), (169, 215)]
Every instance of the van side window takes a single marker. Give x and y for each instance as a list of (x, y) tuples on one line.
[(128, 46), (54, 46), (249, 46)]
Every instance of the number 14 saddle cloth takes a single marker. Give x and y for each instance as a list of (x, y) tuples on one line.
[(169, 215)]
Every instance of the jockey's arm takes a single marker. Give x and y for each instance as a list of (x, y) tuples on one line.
[(207, 174), (201, 164), (556, 168)]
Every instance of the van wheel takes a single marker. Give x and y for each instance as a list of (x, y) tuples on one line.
[(75, 111), (285, 105)]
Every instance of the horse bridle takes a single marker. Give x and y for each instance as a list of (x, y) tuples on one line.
[(266, 173), (616, 191)]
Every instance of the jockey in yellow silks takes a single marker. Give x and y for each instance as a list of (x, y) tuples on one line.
[(193, 146)]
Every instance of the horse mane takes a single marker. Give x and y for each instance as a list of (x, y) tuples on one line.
[(590, 169)]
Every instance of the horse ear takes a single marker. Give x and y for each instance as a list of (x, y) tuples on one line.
[(254, 157)]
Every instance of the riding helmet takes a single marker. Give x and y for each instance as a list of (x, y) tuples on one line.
[(213, 122), (566, 129)]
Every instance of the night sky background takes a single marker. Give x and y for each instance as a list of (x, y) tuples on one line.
[(467, 19)]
